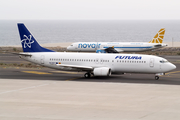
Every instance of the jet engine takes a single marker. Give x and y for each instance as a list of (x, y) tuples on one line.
[(102, 71)]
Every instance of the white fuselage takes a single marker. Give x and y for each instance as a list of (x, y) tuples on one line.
[(118, 63), (119, 46)]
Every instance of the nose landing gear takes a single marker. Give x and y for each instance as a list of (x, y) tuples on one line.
[(157, 75)]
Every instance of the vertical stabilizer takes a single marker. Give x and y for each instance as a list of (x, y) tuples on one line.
[(29, 44), (158, 38)]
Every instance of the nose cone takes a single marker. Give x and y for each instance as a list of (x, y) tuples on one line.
[(69, 48), (173, 66), (166, 67)]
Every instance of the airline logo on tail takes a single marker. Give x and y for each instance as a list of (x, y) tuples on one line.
[(27, 41), (158, 38)]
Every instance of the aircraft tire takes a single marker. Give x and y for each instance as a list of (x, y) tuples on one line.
[(87, 75), (156, 77)]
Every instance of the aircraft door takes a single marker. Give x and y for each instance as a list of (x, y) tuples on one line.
[(42, 59), (151, 63)]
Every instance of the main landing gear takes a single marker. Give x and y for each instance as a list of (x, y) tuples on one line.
[(88, 75), (156, 77)]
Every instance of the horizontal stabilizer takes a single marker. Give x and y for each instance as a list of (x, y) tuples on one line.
[(23, 54)]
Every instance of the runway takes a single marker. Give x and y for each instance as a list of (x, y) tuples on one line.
[(47, 94)]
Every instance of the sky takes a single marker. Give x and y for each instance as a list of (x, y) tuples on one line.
[(90, 9)]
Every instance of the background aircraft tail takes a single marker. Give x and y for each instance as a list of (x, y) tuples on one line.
[(29, 44), (158, 38)]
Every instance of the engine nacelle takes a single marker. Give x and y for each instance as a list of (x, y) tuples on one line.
[(102, 71)]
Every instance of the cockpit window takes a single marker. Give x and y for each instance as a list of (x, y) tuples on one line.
[(163, 61), (72, 45)]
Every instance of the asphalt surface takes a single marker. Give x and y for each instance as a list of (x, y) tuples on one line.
[(171, 78)]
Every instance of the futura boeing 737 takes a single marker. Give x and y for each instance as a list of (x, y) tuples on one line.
[(115, 47), (91, 63)]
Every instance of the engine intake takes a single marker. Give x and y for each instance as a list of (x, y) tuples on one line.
[(102, 71)]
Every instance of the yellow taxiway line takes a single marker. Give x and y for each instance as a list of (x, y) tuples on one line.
[(73, 79), (65, 72), (36, 72), (173, 72)]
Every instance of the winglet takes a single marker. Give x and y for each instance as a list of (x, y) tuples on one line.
[(29, 44), (158, 38)]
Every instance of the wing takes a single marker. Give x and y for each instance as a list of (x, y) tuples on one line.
[(111, 50), (83, 68), (107, 50), (158, 45)]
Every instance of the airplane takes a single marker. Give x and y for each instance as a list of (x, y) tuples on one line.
[(116, 47), (93, 64)]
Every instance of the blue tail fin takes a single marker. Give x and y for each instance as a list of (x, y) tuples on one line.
[(29, 44)]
